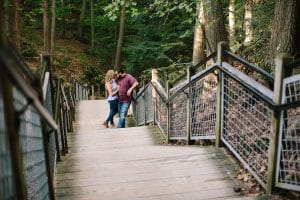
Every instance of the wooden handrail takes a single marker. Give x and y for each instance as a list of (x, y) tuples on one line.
[(6, 61), (251, 66)]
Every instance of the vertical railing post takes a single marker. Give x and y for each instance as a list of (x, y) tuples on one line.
[(14, 140), (280, 73), (168, 111), (154, 77), (76, 91), (219, 107), (56, 115), (46, 67), (145, 104), (98, 90), (189, 103), (93, 93), (86, 91), (134, 107)]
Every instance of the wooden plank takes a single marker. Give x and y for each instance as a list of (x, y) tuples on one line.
[(127, 164)]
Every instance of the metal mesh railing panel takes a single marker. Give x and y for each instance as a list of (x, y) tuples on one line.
[(161, 115), (51, 142), (144, 107), (31, 140), (149, 104), (7, 189), (203, 108), (288, 168), (247, 127), (140, 110), (178, 116)]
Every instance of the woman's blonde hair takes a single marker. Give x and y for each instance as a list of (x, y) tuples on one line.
[(110, 75)]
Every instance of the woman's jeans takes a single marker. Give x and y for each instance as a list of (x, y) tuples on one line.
[(123, 109), (113, 109)]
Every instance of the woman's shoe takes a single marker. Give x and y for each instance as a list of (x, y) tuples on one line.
[(112, 125), (105, 123)]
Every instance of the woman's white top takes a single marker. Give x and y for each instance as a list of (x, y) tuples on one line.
[(114, 88)]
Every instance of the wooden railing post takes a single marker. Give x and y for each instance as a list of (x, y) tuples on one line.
[(145, 104), (168, 112), (280, 73), (154, 77), (219, 107), (189, 103), (14, 140), (93, 93), (56, 115)]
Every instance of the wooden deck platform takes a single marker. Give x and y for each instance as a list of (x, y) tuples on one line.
[(127, 164)]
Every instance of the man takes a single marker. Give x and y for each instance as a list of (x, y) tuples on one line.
[(126, 84)]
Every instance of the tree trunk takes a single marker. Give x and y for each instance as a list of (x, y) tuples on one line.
[(248, 22), (232, 21), (92, 25), (13, 23), (121, 37), (215, 26), (81, 18), (6, 17), (285, 29), (47, 26), (198, 49), (12, 19), (115, 44), (53, 24), (3, 31)]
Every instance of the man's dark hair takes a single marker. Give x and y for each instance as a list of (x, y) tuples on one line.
[(121, 69)]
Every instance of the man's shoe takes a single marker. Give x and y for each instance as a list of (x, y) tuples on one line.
[(105, 123)]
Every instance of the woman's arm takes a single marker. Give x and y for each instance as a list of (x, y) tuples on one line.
[(116, 91), (110, 91)]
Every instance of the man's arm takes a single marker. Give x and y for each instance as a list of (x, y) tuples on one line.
[(134, 85)]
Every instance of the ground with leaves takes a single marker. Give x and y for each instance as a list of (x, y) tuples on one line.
[(71, 57)]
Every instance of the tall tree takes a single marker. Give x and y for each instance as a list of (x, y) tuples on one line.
[(81, 18), (198, 49), (14, 22), (47, 26), (285, 29), (231, 21), (53, 25), (248, 22), (121, 36), (215, 25), (2, 25), (6, 17)]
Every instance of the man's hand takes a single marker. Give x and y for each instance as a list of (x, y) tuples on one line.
[(129, 92)]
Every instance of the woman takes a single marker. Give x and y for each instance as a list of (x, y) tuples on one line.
[(112, 88)]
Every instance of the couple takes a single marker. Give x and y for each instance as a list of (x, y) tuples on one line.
[(119, 86)]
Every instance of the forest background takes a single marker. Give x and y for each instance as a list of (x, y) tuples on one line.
[(88, 37)]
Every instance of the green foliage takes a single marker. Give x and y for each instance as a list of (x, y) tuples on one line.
[(158, 33), (112, 10), (28, 50), (263, 12), (159, 36), (93, 75), (141, 55), (163, 8), (64, 62), (32, 13)]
